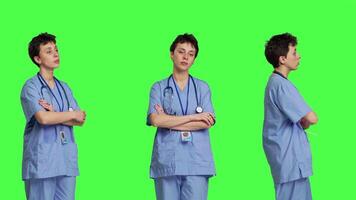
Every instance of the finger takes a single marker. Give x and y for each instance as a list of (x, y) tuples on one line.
[(43, 101), (211, 121), (207, 121), (211, 115), (157, 107), (43, 105)]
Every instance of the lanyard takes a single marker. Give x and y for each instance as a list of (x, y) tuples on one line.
[(180, 101), (60, 93)]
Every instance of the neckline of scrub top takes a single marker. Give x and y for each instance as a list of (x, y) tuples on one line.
[(180, 101), (57, 84), (280, 74)]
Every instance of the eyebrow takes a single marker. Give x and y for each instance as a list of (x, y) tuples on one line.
[(193, 51), (49, 47)]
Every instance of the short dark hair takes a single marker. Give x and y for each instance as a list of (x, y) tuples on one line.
[(34, 45), (185, 38), (278, 46)]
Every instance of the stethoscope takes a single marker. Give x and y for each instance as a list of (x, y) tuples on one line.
[(46, 86), (169, 91)]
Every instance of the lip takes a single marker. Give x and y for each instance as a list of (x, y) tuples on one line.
[(56, 61), (184, 63)]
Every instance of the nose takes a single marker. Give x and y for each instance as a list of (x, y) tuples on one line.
[(185, 56)]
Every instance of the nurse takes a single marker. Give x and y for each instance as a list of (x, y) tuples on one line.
[(50, 165), (286, 115), (181, 109)]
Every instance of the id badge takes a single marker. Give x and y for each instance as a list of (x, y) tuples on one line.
[(63, 137), (186, 136)]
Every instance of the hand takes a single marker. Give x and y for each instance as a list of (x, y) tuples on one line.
[(46, 105), (206, 117), (304, 123), (159, 109), (79, 116)]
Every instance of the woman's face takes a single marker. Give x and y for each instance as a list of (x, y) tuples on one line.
[(183, 56), (48, 56)]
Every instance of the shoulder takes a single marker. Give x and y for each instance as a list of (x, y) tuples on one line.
[(64, 84), (281, 86), (278, 82), (160, 84), (31, 83), (203, 85)]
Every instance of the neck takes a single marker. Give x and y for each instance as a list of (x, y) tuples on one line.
[(47, 74), (180, 76), (283, 70)]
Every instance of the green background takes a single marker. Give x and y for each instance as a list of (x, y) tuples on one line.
[(112, 52)]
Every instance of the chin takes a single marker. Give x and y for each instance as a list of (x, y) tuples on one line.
[(181, 68)]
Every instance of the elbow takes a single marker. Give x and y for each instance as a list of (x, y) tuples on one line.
[(40, 118), (312, 118), (153, 121), (42, 121)]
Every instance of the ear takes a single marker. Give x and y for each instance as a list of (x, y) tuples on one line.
[(282, 59), (37, 59), (171, 54)]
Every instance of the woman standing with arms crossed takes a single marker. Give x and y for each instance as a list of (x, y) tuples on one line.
[(50, 164), (181, 109)]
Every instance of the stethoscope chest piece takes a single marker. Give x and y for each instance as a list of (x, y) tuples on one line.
[(199, 109)]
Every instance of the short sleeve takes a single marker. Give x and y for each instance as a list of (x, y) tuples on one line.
[(291, 102), (29, 100), (72, 101), (206, 98), (155, 99)]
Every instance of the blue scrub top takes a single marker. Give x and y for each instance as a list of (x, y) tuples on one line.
[(44, 155), (284, 139), (170, 155)]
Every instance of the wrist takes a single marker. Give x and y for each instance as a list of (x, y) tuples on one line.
[(72, 115), (190, 118)]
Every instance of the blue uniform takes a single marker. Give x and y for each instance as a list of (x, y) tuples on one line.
[(171, 156), (182, 188), (44, 153), (284, 139), (55, 188)]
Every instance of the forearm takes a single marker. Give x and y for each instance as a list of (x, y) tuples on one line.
[(168, 121), (52, 118), (308, 120), (192, 126), (72, 123)]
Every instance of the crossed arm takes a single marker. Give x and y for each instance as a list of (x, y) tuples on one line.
[(182, 123), (49, 117), (309, 119)]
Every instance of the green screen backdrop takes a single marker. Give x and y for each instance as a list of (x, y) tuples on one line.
[(113, 51)]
